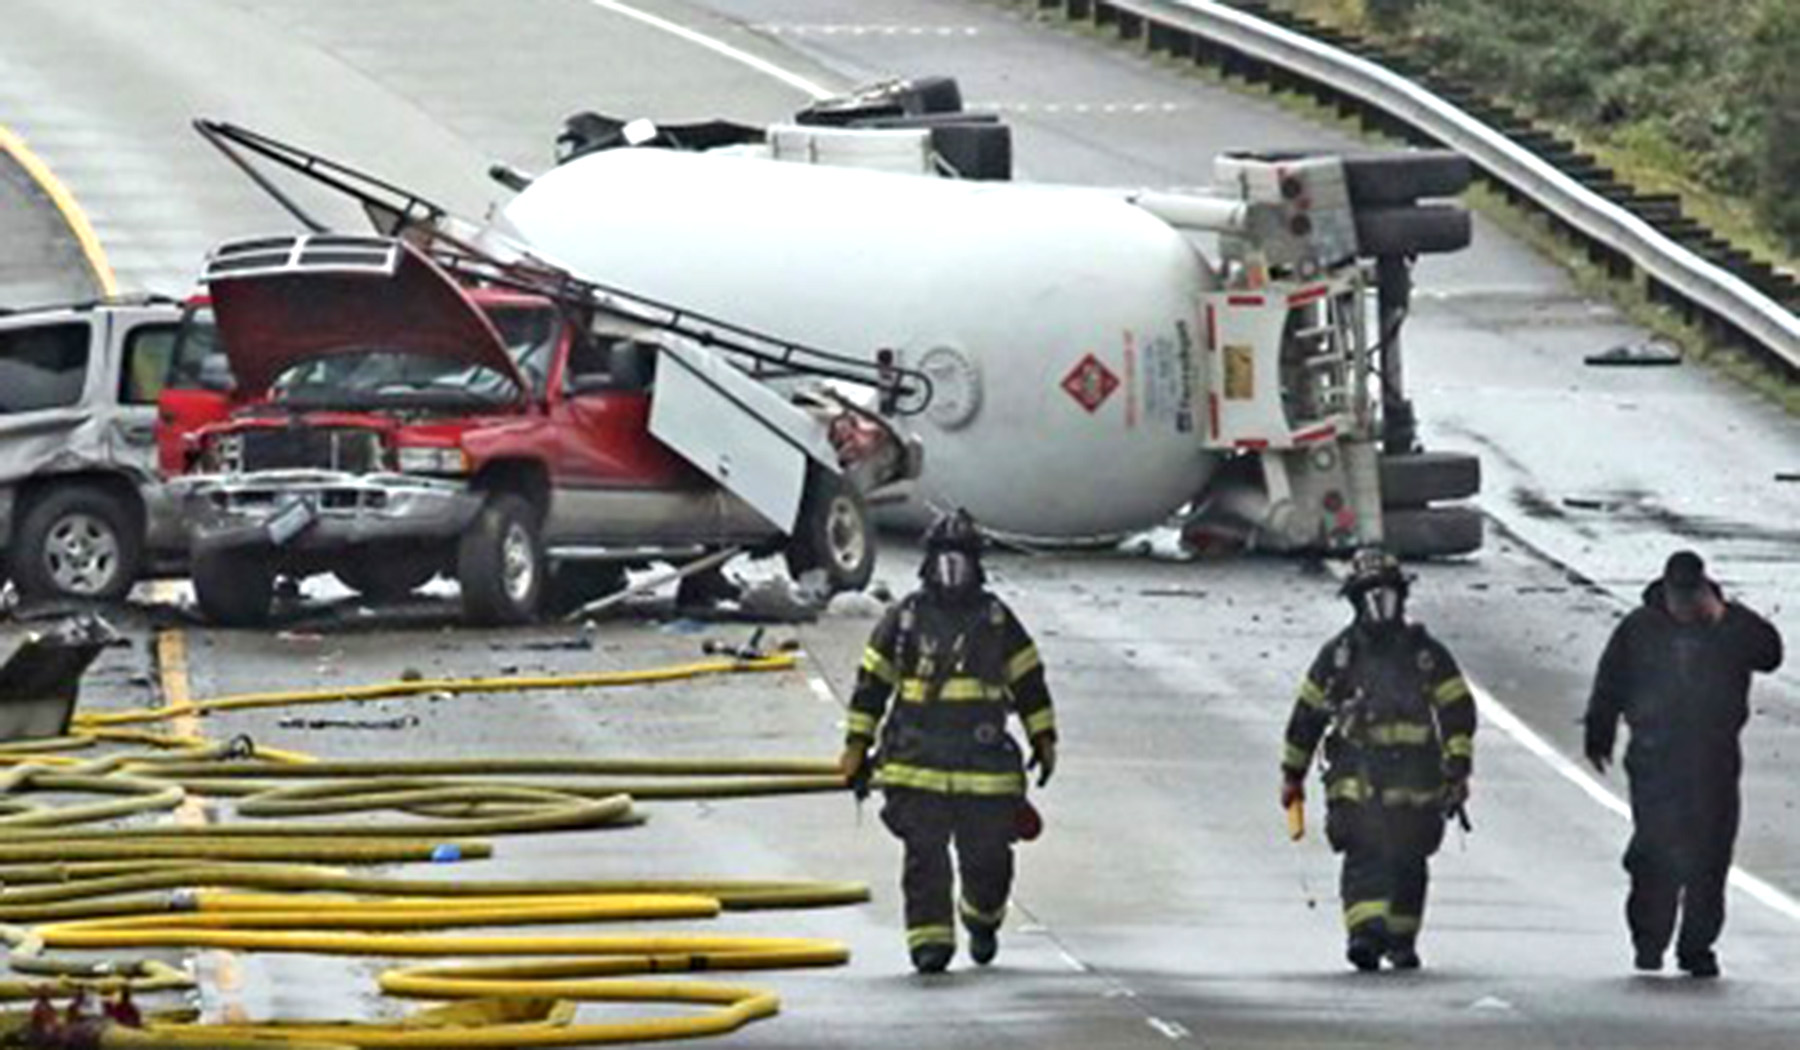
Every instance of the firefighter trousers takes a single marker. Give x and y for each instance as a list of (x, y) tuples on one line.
[(1386, 870), (930, 824)]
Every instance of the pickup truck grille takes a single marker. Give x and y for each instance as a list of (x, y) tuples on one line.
[(351, 450)]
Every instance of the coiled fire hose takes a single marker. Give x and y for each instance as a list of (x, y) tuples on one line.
[(87, 887)]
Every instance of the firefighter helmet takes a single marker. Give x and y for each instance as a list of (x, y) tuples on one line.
[(953, 531), (1373, 567)]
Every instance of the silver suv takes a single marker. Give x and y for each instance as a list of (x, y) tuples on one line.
[(83, 512)]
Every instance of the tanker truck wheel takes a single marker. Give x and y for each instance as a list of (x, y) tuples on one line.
[(233, 589), (1416, 478), (833, 534), (1431, 532)]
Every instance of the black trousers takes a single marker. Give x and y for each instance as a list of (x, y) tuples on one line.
[(930, 824), (1679, 859), (1386, 871)]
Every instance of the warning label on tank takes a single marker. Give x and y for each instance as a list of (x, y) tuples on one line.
[(1090, 383)]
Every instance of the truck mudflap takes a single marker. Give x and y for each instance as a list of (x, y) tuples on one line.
[(737, 430), (312, 510)]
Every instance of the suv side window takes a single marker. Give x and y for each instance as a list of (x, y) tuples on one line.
[(149, 356), (44, 366)]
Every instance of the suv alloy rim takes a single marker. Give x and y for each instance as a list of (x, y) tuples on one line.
[(81, 554)]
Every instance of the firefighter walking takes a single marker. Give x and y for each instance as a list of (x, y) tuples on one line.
[(955, 662), (1398, 725)]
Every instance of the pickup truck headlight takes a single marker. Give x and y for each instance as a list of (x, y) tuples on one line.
[(225, 454), (431, 460)]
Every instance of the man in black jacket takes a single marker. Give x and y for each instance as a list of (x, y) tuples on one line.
[(1677, 669), (941, 675)]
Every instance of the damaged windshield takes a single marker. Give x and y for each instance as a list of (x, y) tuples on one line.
[(391, 379)]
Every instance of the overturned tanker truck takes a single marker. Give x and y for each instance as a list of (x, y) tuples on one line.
[(1094, 370)]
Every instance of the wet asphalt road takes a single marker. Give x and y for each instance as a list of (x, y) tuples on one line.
[(1164, 905)]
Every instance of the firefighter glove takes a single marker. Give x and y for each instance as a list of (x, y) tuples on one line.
[(1293, 789), (1456, 794), (1043, 757), (851, 763), (1599, 758)]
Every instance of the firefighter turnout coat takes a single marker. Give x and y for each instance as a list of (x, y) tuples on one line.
[(954, 672), (1398, 724)]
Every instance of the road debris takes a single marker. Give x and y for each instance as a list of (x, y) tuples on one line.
[(1649, 352)]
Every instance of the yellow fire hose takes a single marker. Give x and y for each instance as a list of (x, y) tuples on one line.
[(97, 887)]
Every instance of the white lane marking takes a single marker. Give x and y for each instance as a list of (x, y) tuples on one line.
[(1493, 711), (868, 29), (1170, 1029), (720, 47)]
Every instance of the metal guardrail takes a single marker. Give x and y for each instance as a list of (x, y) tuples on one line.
[(1240, 42)]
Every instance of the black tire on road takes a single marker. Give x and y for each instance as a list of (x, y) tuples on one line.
[(388, 575), (573, 584), (1431, 532), (833, 533), (1423, 229), (234, 589), (77, 541), (500, 563), (1417, 478)]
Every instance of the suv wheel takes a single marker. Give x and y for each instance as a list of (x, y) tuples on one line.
[(833, 534), (500, 563), (77, 541), (234, 589)]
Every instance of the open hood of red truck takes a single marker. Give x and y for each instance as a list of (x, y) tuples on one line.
[(283, 300)]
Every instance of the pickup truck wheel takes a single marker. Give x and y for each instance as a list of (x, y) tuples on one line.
[(77, 541), (833, 534), (388, 576), (500, 563), (234, 589)]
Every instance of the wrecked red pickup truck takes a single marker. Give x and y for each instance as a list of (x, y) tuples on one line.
[(393, 421)]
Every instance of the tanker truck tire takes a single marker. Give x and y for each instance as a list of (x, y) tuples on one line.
[(1401, 178), (1424, 229), (1431, 532), (500, 563), (233, 589), (833, 533), (1417, 478)]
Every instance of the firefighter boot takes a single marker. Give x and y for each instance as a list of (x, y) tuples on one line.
[(1365, 948), (1403, 954), (984, 943), (1701, 963), (933, 957)]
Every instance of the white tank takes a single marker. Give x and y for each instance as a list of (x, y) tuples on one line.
[(1059, 324)]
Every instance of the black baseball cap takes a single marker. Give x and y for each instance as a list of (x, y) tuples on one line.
[(1684, 571)]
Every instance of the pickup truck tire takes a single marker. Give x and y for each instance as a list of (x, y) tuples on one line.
[(1431, 532), (234, 589), (1417, 478), (833, 534), (388, 576), (77, 541), (500, 563)]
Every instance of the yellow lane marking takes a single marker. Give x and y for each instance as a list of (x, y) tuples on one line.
[(172, 667), (14, 146)]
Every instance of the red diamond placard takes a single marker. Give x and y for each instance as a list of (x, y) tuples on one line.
[(1090, 383)]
